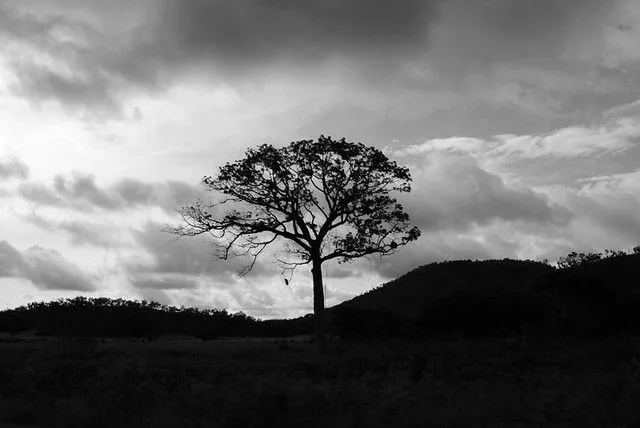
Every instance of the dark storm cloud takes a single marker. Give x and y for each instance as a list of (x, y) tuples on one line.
[(475, 34), (240, 38), (454, 192), (79, 55), (523, 66), (498, 66), (253, 31), (76, 77), (13, 168), (81, 192), (47, 269), (41, 83)]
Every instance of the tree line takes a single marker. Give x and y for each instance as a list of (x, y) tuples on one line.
[(574, 259), (117, 318)]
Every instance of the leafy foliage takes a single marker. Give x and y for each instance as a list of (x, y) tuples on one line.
[(330, 199), (574, 259)]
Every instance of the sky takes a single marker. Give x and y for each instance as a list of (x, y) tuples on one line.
[(519, 121)]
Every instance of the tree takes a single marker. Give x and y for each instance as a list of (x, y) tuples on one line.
[(326, 199), (574, 259)]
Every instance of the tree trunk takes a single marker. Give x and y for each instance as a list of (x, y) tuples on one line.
[(318, 306)]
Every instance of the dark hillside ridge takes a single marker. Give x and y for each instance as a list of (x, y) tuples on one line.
[(598, 298), (410, 294), (104, 317), (498, 298), (616, 274)]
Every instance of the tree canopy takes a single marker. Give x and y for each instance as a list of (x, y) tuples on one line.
[(331, 199)]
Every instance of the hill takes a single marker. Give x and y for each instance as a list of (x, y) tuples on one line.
[(596, 298), (104, 317), (410, 294)]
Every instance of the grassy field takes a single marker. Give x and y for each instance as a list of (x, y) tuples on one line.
[(101, 383)]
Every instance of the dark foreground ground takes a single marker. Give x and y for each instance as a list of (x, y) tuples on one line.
[(55, 383)]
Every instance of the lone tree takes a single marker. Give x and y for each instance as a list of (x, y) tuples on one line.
[(326, 199)]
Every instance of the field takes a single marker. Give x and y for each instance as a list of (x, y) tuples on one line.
[(49, 382)]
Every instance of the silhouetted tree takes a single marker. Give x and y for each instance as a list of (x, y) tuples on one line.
[(576, 259), (613, 253), (328, 199)]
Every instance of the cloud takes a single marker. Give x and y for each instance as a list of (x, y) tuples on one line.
[(610, 203), (81, 232), (623, 36), (454, 192), (189, 272), (482, 33), (96, 234), (396, 70), (253, 31), (167, 195), (498, 240), (524, 196), (40, 194), (76, 55), (13, 168), (47, 269), (160, 296), (42, 83), (11, 261), (186, 256), (164, 283), (609, 138), (610, 145), (433, 247), (574, 141), (81, 192), (91, 58), (83, 189)]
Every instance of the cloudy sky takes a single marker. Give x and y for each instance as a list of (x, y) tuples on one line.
[(520, 121)]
